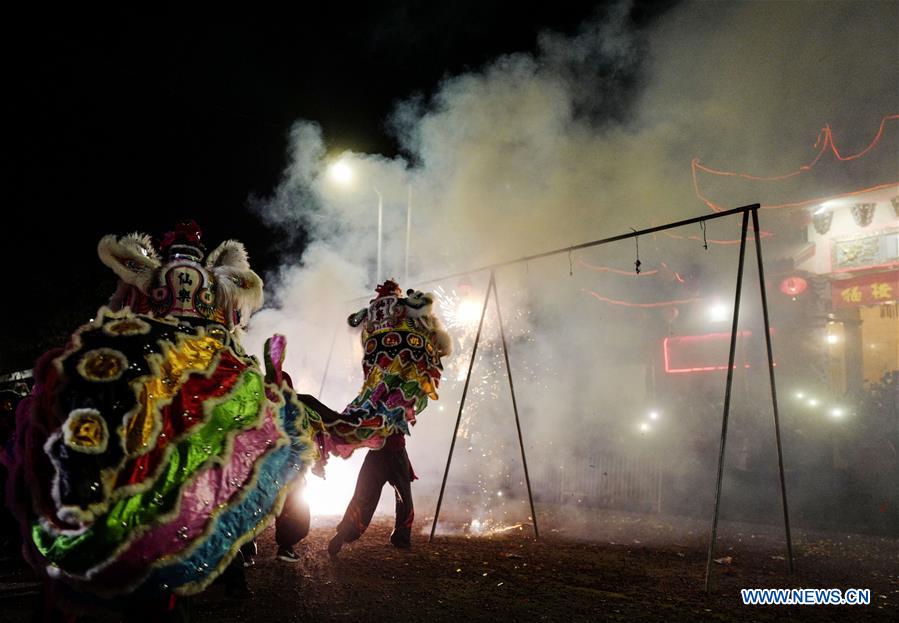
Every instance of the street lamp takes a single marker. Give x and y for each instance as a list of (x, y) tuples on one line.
[(342, 173)]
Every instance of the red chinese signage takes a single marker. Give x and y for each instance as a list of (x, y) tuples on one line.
[(866, 290)]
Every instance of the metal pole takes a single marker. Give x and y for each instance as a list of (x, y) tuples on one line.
[(380, 231), (474, 352), (780, 458), (584, 245), (659, 473), (408, 234), (594, 243), (524, 460), (730, 378), (321, 389)]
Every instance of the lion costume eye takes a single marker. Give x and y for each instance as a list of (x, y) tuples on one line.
[(85, 431)]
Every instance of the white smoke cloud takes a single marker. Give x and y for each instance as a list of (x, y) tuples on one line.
[(586, 137)]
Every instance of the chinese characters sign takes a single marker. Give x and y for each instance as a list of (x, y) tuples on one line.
[(866, 290)]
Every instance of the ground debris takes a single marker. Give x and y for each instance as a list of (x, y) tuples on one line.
[(566, 580)]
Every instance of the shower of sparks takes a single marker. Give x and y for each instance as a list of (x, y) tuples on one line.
[(496, 496)]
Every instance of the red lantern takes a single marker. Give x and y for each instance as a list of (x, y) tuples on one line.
[(793, 286)]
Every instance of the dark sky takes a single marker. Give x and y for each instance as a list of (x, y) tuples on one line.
[(117, 124)]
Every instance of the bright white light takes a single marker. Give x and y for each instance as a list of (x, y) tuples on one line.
[(467, 312), (331, 496), (653, 415), (499, 494), (644, 427), (341, 172), (800, 395), (832, 339), (719, 312), (837, 412), (821, 209), (812, 402)]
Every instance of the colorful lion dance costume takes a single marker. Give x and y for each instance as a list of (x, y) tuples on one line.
[(152, 446), (403, 342)]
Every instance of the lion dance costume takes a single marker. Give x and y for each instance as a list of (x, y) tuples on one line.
[(152, 446), (403, 342)]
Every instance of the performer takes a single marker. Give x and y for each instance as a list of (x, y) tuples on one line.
[(152, 447), (292, 524), (403, 343)]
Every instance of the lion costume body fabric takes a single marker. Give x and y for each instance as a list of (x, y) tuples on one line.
[(152, 446), (403, 342)]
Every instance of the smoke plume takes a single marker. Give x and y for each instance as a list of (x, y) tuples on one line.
[(587, 136)]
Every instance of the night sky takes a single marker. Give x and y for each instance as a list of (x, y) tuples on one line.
[(118, 123)]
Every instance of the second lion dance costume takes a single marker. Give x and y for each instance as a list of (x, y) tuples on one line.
[(403, 343), (153, 446)]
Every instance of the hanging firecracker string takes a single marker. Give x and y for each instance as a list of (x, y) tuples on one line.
[(637, 262)]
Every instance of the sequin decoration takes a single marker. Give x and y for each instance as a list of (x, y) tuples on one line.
[(102, 365), (126, 327), (85, 431)]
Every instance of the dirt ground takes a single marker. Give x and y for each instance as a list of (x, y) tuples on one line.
[(637, 568)]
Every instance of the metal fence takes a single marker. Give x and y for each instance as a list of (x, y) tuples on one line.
[(607, 481)]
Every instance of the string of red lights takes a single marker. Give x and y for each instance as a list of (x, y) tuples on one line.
[(824, 143), (611, 301), (615, 271), (749, 237)]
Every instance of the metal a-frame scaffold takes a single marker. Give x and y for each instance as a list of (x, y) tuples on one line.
[(747, 212)]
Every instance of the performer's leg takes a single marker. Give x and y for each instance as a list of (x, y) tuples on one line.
[(248, 553), (292, 525), (371, 480), (235, 579), (401, 478)]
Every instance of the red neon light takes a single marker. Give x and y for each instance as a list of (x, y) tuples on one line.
[(825, 140), (695, 338), (606, 269), (644, 305), (628, 273), (762, 234)]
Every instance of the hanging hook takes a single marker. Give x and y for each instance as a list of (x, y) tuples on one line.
[(570, 269), (637, 263), (705, 241)]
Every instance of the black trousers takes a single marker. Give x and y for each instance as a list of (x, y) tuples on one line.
[(292, 525), (378, 468)]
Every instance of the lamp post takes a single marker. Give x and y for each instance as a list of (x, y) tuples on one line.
[(380, 231), (408, 234), (342, 173)]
